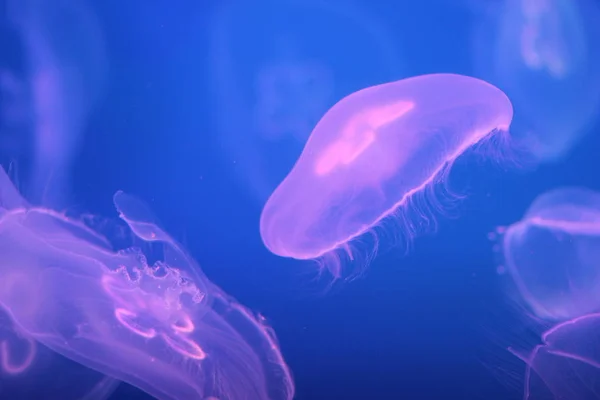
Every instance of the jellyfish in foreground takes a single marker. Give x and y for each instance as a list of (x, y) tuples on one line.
[(375, 154), (567, 363), (162, 327), (269, 99), (553, 254), (544, 55), (24, 362), (65, 68)]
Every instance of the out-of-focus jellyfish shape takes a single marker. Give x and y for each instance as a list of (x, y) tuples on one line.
[(375, 154), (553, 254), (269, 99), (25, 364), (567, 363), (163, 328), (544, 55), (66, 67)]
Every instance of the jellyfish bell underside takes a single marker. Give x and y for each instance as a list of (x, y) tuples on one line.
[(163, 328), (371, 152)]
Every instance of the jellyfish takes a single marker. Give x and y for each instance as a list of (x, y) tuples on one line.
[(24, 362), (373, 155), (64, 73), (566, 365), (268, 100), (553, 254), (160, 326), (543, 54)]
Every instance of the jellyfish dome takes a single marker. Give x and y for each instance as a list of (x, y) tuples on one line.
[(553, 254), (160, 326), (371, 153)]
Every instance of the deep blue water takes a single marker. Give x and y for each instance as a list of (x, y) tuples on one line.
[(430, 324)]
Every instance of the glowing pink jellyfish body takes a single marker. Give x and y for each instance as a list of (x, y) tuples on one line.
[(161, 327), (371, 153), (24, 362), (553, 254), (567, 363)]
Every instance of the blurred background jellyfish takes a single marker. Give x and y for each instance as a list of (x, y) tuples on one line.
[(544, 55), (150, 319), (60, 79), (553, 254), (378, 153), (276, 67)]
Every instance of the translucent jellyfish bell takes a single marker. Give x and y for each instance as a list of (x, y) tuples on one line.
[(25, 363), (371, 153), (553, 254), (163, 327)]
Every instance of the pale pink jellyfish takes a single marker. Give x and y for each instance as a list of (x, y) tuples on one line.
[(162, 327), (544, 55), (369, 157), (30, 370), (553, 254), (567, 363)]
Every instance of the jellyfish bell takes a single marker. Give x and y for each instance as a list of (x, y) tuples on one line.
[(371, 153), (551, 255)]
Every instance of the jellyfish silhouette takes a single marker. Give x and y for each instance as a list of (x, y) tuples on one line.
[(553, 254), (543, 54), (63, 77), (162, 327), (566, 365), (375, 154), (268, 100)]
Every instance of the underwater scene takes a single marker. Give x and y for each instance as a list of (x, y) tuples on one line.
[(311, 200)]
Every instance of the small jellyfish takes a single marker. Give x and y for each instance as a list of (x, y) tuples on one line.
[(64, 73), (370, 156), (543, 54), (567, 363), (268, 100), (161, 326), (553, 254)]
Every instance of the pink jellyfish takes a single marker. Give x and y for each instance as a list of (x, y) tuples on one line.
[(370, 156), (25, 363), (553, 254), (162, 326)]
